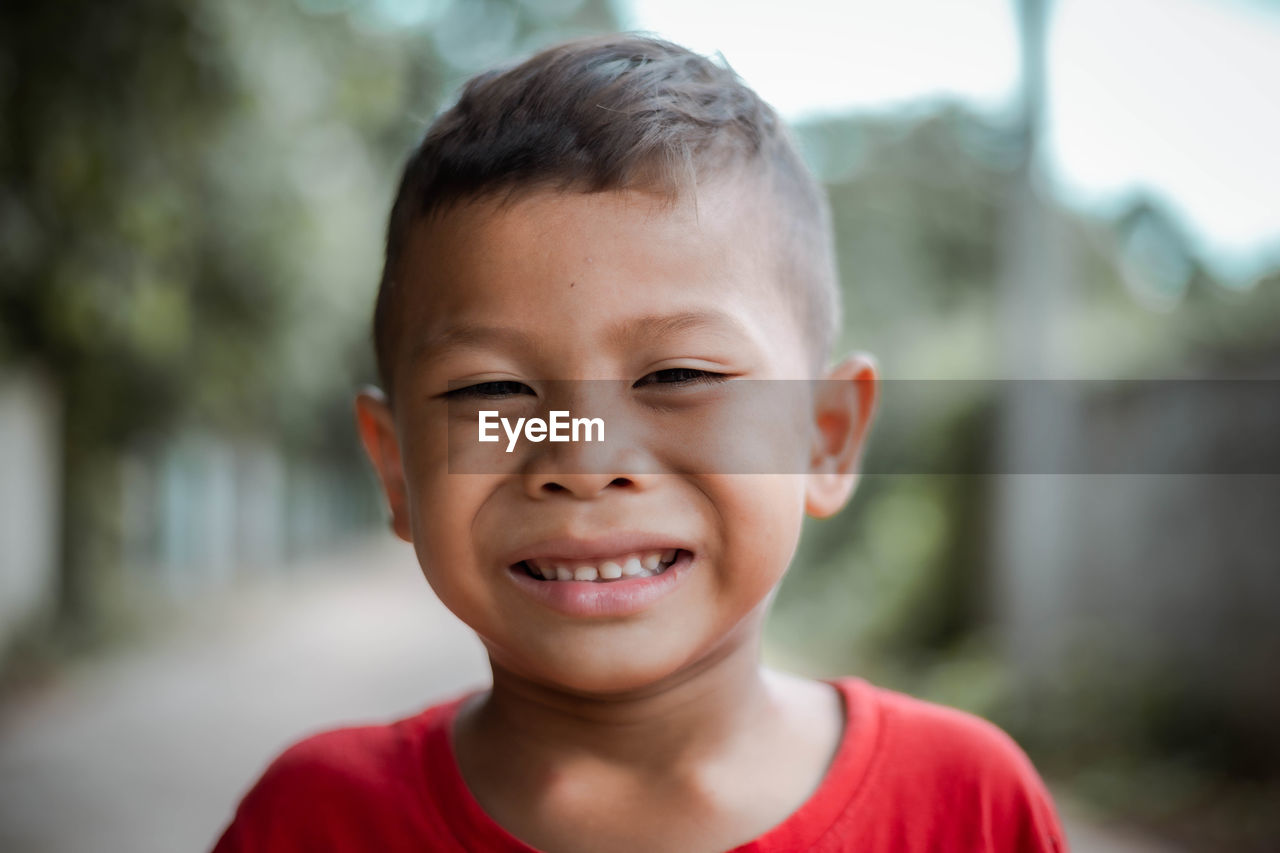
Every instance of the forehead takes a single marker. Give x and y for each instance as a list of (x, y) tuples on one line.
[(557, 268), (572, 265)]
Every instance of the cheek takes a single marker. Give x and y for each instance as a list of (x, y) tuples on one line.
[(438, 500), (761, 517), (444, 507)]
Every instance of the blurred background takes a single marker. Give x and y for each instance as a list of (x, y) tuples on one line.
[(195, 567)]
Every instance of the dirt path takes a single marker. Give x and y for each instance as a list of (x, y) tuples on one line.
[(150, 749)]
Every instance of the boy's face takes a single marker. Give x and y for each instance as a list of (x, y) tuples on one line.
[(618, 286)]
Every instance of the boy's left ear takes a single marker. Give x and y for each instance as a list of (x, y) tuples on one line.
[(843, 406)]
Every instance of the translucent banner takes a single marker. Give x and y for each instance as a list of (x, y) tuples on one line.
[(702, 424)]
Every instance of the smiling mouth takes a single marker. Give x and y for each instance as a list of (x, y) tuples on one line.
[(640, 564)]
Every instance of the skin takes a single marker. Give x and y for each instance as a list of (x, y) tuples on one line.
[(595, 725)]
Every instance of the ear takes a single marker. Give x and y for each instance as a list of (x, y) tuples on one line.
[(378, 434), (843, 406)]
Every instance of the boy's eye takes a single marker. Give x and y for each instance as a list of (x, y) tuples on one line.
[(680, 376), (491, 390)]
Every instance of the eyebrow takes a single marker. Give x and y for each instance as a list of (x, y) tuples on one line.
[(475, 336), (657, 325), (472, 336)]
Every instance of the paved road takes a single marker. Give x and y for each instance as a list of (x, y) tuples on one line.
[(150, 749)]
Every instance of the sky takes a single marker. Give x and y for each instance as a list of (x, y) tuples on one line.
[(1177, 97)]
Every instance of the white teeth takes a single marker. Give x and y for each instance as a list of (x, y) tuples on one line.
[(638, 565)]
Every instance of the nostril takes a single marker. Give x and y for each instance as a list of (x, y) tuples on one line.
[(578, 485)]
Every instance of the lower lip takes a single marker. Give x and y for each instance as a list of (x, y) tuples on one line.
[(603, 599)]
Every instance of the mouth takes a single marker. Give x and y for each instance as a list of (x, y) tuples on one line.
[(612, 569), (610, 577)]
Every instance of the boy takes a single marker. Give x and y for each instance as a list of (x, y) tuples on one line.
[(621, 209)]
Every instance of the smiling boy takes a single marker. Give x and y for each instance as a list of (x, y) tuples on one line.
[(621, 209)]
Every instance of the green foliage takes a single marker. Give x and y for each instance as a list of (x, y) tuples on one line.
[(192, 212)]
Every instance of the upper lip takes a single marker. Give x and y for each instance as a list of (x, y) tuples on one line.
[(594, 548)]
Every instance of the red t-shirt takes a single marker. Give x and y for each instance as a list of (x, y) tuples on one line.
[(908, 775)]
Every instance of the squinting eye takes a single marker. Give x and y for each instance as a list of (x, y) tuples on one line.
[(680, 376), (490, 390)]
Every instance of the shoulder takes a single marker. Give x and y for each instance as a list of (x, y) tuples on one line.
[(948, 761), (351, 757), (942, 735), (336, 784)]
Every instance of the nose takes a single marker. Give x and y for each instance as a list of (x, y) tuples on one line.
[(582, 486), (584, 470), (588, 471)]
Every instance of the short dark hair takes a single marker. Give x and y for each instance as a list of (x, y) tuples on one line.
[(608, 113)]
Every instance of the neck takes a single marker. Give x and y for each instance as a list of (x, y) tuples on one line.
[(690, 716)]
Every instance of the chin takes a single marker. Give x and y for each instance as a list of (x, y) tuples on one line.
[(604, 675)]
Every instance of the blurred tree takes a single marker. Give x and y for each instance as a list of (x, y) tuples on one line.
[(916, 200), (111, 274), (192, 208)]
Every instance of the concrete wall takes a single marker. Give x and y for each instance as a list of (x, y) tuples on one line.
[(1161, 583), (30, 498)]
